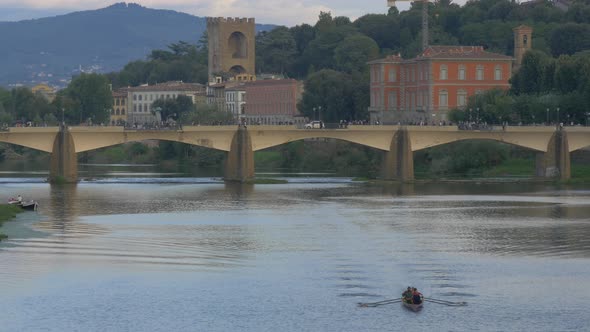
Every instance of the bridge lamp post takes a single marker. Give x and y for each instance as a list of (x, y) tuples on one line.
[(547, 116), (557, 117), (63, 121)]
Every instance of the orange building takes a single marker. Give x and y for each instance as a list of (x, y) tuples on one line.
[(425, 88)]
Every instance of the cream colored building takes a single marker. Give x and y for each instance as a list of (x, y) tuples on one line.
[(141, 98)]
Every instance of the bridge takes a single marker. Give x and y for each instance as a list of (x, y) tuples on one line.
[(553, 144)]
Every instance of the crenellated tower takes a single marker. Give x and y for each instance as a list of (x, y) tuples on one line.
[(231, 46)]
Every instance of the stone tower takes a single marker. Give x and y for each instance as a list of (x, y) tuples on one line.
[(523, 36), (231, 46)]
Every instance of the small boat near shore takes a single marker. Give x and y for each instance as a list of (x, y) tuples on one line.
[(25, 205)]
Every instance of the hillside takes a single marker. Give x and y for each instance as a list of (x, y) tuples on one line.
[(53, 48)]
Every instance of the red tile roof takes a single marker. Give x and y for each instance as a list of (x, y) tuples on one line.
[(169, 86), (272, 82), (460, 52)]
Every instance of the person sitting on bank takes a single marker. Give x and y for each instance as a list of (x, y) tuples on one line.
[(19, 199), (416, 296), (407, 295)]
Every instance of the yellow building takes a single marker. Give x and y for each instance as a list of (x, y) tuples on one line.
[(119, 110), (44, 90)]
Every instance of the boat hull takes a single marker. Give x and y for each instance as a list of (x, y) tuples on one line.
[(413, 307), (29, 206)]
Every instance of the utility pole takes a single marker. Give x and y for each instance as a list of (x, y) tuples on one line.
[(391, 3)]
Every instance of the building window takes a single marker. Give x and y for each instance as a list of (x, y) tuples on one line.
[(140, 97), (123, 111), (461, 98), (461, 72), (392, 75), (134, 97), (443, 72), (443, 99), (392, 100), (498, 73), (479, 73)]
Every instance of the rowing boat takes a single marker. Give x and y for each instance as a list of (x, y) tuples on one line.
[(412, 306)]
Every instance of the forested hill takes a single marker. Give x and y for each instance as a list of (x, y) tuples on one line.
[(106, 38)]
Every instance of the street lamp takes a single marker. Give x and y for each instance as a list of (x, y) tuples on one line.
[(470, 115), (63, 122), (557, 117), (547, 117), (477, 115)]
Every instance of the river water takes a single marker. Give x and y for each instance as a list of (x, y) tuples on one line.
[(195, 254)]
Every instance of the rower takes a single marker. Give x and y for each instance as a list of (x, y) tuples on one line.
[(407, 295), (416, 296)]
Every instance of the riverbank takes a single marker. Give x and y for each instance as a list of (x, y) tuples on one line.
[(7, 212)]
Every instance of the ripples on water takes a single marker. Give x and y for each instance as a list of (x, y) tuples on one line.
[(295, 257)]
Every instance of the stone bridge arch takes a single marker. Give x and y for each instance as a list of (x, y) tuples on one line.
[(35, 138), (92, 138), (534, 138), (264, 137)]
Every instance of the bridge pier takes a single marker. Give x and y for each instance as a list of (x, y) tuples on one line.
[(239, 165), (64, 162), (398, 162), (555, 163)]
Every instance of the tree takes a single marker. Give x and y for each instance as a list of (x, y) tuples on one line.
[(208, 114), (381, 28), (330, 93), (570, 38), (320, 52), (276, 51), (530, 76), (353, 53), (93, 95), (173, 108)]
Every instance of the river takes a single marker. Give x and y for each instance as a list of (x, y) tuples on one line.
[(195, 254)]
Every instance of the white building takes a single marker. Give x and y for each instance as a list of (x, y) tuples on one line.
[(235, 99), (140, 99)]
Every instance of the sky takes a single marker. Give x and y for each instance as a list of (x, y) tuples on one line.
[(282, 12)]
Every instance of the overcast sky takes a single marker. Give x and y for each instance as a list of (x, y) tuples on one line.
[(283, 12)]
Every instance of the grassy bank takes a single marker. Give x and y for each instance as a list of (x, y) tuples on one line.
[(7, 212)]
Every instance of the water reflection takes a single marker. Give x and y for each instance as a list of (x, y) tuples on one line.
[(220, 248)]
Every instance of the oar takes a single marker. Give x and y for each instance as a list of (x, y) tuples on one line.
[(445, 302), (375, 304)]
